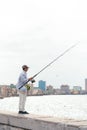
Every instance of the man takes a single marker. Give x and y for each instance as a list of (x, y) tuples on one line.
[(22, 90)]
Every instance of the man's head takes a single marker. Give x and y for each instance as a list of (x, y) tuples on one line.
[(25, 68)]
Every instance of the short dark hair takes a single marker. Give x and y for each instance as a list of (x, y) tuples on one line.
[(24, 67)]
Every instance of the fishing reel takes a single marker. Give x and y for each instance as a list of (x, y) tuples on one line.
[(32, 81)]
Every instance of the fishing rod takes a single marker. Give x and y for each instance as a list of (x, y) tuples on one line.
[(62, 54)]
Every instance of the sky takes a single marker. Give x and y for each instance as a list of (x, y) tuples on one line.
[(35, 32)]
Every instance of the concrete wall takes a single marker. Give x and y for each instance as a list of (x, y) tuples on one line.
[(14, 121)]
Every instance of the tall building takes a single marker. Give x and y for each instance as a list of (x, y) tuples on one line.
[(65, 89), (42, 85), (85, 84)]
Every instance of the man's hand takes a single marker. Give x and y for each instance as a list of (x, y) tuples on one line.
[(30, 79)]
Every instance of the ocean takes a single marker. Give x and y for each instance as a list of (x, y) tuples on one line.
[(62, 106)]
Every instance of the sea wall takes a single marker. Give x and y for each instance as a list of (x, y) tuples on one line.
[(14, 121)]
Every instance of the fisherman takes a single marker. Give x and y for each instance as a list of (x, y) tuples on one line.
[(22, 90), (23, 80)]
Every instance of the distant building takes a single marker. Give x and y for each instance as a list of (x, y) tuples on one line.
[(57, 92), (65, 89), (49, 89), (42, 85), (4, 90), (37, 91), (85, 84), (77, 89)]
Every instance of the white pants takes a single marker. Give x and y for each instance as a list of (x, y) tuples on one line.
[(22, 100)]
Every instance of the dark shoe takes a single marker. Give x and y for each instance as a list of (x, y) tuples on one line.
[(21, 112), (25, 112)]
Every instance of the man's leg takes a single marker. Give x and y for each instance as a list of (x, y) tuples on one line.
[(22, 100)]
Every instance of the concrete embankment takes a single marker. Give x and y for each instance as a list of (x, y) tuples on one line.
[(14, 121)]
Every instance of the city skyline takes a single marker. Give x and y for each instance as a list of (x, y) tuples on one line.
[(42, 89), (43, 85)]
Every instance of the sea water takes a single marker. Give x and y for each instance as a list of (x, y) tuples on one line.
[(62, 106)]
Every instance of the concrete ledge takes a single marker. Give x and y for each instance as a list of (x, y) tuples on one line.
[(14, 121)]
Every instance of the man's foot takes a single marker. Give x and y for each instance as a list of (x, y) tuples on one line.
[(23, 112)]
